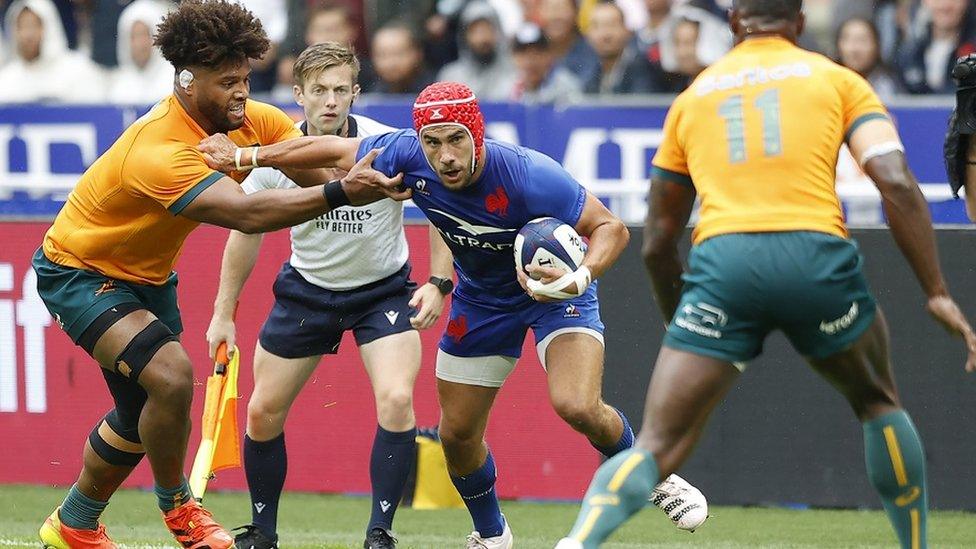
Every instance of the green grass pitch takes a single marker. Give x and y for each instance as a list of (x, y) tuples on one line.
[(317, 521)]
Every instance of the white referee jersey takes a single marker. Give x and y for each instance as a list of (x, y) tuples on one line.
[(350, 246)]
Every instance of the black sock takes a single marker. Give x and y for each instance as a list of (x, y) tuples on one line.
[(265, 464), (389, 465)]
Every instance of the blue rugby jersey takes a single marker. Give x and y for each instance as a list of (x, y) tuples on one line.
[(479, 222)]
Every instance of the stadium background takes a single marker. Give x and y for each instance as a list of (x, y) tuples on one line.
[(782, 437)]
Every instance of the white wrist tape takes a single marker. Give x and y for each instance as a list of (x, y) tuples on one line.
[(582, 277), (239, 152), (881, 149)]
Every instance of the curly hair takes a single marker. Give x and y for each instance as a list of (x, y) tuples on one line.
[(209, 33)]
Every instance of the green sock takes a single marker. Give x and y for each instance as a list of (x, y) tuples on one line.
[(171, 498), (80, 511), (896, 467), (619, 489)]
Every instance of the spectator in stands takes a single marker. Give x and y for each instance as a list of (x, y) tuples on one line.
[(485, 63), (539, 79), (926, 62), (68, 15), (859, 49), (843, 12), (273, 15), (440, 34), (558, 22), (103, 23), (412, 13), (622, 69), (635, 13), (890, 17), (398, 61), (441, 27), (685, 35), (41, 67), (656, 30), (143, 75), (327, 22), (714, 37)]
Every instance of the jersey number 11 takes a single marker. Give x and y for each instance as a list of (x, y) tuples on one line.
[(732, 110)]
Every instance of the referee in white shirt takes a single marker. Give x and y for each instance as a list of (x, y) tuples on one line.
[(348, 271)]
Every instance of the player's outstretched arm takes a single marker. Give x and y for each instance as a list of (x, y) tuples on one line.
[(669, 206), (329, 151), (224, 203), (877, 146), (240, 255)]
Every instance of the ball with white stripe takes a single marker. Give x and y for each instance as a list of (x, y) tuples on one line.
[(548, 242)]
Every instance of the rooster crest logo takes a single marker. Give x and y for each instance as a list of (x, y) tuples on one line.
[(497, 202), (457, 327)]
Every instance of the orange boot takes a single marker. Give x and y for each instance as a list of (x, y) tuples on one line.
[(195, 528), (56, 535)]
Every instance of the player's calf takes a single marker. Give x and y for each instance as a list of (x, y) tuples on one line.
[(618, 490), (895, 462)]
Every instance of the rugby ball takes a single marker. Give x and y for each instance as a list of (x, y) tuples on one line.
[(548, 242)]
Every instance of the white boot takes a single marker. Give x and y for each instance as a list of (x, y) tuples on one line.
[(503, 541), (684, 504)]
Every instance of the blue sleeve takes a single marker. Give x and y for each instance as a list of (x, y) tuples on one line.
[(551, 192), (393, 144)]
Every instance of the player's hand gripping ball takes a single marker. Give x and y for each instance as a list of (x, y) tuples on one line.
[(548, 242)]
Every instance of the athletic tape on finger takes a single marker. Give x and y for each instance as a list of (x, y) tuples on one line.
[(554, 289)]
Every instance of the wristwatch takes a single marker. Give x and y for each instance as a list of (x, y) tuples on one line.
[(444, 285)]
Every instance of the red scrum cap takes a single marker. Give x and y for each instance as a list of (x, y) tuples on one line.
[(451, 103)]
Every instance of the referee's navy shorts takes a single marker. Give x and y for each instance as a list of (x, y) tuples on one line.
[(308, 320)]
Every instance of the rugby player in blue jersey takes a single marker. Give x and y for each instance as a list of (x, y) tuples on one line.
[(477, 194)]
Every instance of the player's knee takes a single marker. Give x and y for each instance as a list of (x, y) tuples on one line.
[(457, 439), (265, 417), (394, 404), (578, 413), (116, 439), (169, 378)]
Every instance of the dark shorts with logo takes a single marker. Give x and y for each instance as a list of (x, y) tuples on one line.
[(76, 297), (480, 329), (739, 287), (308, 320)]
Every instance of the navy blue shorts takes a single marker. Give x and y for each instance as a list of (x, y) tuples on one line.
[(477, 329), (308, 320)]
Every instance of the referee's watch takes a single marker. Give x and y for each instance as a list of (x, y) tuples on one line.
[(443, 285)]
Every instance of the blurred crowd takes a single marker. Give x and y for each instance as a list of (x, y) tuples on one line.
[(532, 51)]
